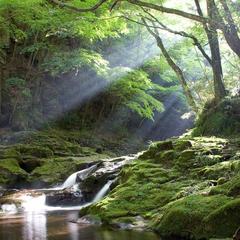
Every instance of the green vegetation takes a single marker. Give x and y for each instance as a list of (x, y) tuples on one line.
[(220, 119), (49, 157), (185, 187), (85, 80)]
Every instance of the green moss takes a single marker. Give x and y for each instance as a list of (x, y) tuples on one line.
[(222, 169), (178, 189), (186, 159), (157, 148), (223, 221), (9, 152), (49, 156), (33, 150), (219, 119), (54, 170), (185, 216), (182, 145), (165, 157), (10, 171), (230, 187), (11, 165)]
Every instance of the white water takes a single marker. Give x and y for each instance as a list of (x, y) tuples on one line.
[(71, 180), (103, 191), (34, 204), (37, 204), (9, 208)]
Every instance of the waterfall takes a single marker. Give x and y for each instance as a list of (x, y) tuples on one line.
[(9, 208), (71, 180), (34, 204), (34, 201), (103, 191)]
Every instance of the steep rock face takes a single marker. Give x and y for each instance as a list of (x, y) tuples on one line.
[(184, 188)]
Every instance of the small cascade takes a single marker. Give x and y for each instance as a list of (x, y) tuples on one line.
[(103, 191), (9, 208), (34, 204), (71, 180), (74, 193)]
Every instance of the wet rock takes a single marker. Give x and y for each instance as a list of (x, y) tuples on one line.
[(89, 220), (108, 170), (164, 145), (137, 223), (182, 145), (66, 197)]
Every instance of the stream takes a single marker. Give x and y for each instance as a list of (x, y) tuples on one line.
[(51, 213), (57, 225)]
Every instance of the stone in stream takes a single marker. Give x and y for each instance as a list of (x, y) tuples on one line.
[(86, 184), (65, 197), (89, 220), (108, 170)]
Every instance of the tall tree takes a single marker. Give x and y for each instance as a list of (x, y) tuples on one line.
[(229, 28), (211, 23), (173, 65), (212, 35)]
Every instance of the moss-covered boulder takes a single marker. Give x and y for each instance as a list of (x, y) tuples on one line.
[(157, 148), (224, 220), (11, 172), (219, 119), (185, 217)]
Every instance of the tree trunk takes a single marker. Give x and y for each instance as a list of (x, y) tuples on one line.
[(219, 88), (174, 66), (179, 73), (230, 30)]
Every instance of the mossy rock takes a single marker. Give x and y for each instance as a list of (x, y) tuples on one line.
[(11, 165), (157, 148), (187, 155), (164, 145), (185, 217), (9, 152), (11, 171), (165, 157), (219, 119), (182, 145), (223, 221), (176, 190), (234, 190), (53, 170), (222, 169), (33, 150), (221, 180), (186, 159)]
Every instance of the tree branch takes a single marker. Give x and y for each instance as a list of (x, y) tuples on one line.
[(169, 10), (183, 34), (173, 65), (76, 9)]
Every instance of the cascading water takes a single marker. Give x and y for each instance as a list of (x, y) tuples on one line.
[(103, 191), (34, 204), (35, 200), (9, 208), (71, 180)]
